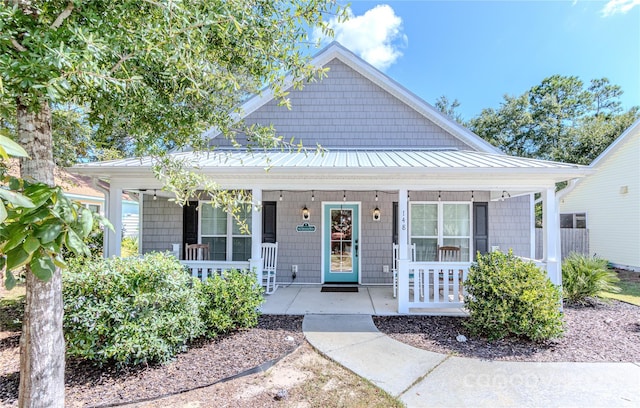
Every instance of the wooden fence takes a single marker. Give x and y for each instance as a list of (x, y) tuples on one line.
[(571, 239)]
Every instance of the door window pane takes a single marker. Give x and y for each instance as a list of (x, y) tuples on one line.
[(341, 240)]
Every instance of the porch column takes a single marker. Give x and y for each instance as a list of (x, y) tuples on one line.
[(113, 212), (403, 262), (551, 240), (255, 263)]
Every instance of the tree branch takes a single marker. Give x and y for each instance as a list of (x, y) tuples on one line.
[(120, 62), (17, 45), (65, 13)]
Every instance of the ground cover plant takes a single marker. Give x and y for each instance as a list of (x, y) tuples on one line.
[(584, 278), (508, 296)]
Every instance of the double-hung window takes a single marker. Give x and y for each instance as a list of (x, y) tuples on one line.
[(221, 231), (440, 224)]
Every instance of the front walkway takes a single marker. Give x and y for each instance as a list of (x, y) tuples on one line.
[(421, 378), (369, 300)]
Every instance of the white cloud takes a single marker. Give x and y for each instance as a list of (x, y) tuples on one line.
[(376, 36), (618, 6)]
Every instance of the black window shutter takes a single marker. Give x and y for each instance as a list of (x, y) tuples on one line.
[(269, 221), (480, 229), (189, 224), (394, 234)]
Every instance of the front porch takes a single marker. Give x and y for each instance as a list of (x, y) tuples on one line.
[(375, 300)]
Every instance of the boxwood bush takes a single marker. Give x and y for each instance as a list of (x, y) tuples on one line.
[(583, 278), (230, 302), (129, 311), (508, 296)]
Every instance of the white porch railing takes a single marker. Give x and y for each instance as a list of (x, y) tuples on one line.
[(204, 269), (438, 284)]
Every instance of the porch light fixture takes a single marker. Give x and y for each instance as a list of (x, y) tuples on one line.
[(376, 196), (305, 213), (344, 195), (503, 193), (155, 197), (439, 196), (471, 195), (376, 214), (280, 195), (313, 196)]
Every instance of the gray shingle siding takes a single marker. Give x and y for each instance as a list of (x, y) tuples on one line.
[(161, 225), (509, 225), (345, 110), (508, 228)]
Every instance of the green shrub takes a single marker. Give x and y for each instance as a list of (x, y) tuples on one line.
[(130, 311), (510, 297), (584, 277), (230, 302), (129, 246)]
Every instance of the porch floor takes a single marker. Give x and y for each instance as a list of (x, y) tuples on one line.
[(369, 300)]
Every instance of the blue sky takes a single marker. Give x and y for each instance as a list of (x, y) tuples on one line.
[(477, 51)]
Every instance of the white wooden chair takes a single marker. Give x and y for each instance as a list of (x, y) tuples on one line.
[(269, 266), (394, 269), (196, 252)]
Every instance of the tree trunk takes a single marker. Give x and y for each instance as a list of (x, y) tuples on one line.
[(42, 348)]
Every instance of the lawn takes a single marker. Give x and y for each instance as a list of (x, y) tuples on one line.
[(630, 288)]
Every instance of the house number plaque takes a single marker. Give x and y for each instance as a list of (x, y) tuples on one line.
[(306, 228)]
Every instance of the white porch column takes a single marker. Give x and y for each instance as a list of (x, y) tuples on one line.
[(532, 203), (255, 263), (113, 213), (551, 240), (403, 262)]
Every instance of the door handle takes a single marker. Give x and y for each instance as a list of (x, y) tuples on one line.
[(356, 248)]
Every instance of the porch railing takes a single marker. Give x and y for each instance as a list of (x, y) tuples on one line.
[(438, 284), (204, 269)]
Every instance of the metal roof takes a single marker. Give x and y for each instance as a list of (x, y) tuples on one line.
[(343, 158)]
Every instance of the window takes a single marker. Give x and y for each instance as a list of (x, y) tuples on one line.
[(575, 220), (221, 231), (440, 224)]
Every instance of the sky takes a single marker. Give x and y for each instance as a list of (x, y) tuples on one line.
[(478, 51)]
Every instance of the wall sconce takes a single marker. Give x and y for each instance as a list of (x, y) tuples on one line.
[(155, 197), (376, 214), (305, 213)]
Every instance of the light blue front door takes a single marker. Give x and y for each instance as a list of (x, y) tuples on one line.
[(341, 243)]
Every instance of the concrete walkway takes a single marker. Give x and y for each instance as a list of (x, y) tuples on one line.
[(421, 378)]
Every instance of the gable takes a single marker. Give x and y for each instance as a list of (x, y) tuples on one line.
[(347, 110)]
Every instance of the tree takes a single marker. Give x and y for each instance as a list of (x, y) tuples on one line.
[(157, 72), (449, 108), (559, 119)]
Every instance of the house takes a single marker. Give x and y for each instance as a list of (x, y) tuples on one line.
[(91, 195), (607, 202), (395, 170)]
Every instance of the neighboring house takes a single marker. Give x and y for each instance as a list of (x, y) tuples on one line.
[(607, 202), (395, 170), (82, 189)]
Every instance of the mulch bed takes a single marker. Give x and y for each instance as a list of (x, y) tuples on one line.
[(597, 332), (604, 332)]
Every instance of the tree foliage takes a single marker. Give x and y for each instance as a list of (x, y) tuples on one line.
[(559, 119)]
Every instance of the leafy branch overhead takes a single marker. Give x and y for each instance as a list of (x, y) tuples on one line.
[(37, 222)]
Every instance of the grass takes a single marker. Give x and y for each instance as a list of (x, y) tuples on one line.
[(11, 308), (630, 291)]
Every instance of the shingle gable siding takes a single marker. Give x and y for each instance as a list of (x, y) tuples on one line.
[(347, 110)]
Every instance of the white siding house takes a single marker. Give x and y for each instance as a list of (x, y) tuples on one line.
[(610, 200)]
